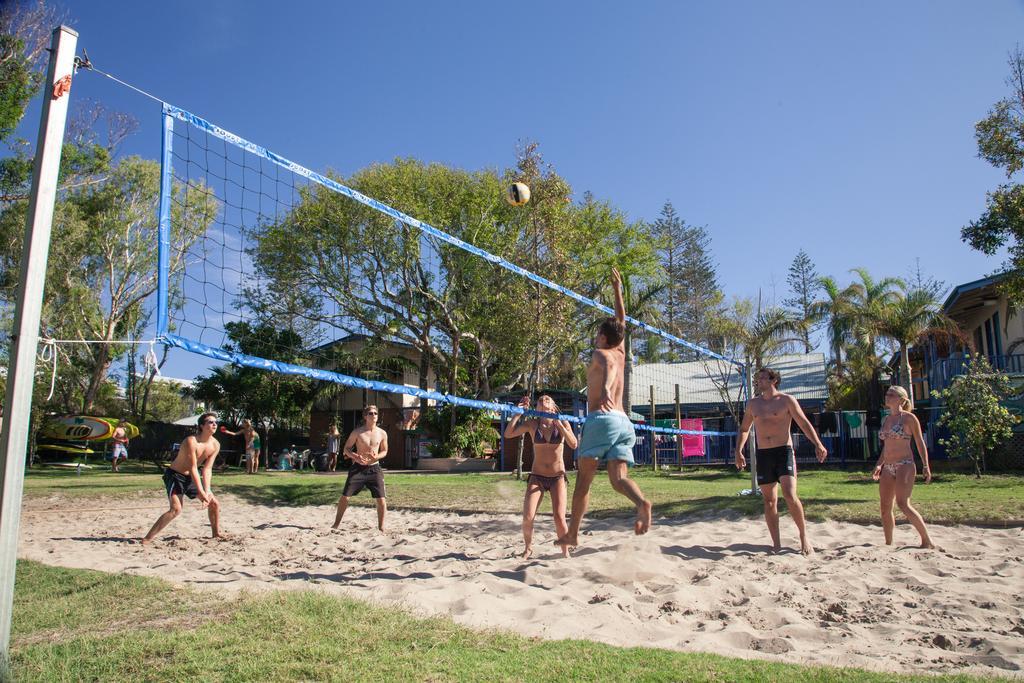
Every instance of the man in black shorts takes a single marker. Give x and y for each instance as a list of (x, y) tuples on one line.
[(772, 413), (367, 445), (183, 477)]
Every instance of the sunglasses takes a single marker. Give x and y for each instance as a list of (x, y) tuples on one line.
[(372, 412), (210, 422)]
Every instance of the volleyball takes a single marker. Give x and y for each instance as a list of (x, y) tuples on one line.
[(518, 194)]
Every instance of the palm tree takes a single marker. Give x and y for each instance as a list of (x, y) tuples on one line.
[(756, 337), (870, 300), (838, 310), (769, 331), (914, 315)]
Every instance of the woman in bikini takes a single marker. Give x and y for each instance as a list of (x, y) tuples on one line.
[(548, 471), (252, 455), (895, 472)]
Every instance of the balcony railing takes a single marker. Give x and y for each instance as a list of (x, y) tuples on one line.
[(942, 372)]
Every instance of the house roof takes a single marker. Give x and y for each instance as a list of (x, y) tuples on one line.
[(803, 377), (971, 295), (354, 337)]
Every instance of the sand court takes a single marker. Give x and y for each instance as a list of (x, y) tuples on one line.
[(697, 585)]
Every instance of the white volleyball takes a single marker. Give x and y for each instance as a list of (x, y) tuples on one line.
[(518, 194)]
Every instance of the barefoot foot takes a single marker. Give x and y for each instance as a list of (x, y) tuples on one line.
[(567, 541), (643, 518), (806, 549), (527, 553)]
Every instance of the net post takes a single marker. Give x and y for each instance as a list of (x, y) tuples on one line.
[(654, 442), (679, 425), (28, 309), (164, 217), (501, 443), (748, 387)]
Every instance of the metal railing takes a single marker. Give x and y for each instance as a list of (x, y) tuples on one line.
[(941, 373)]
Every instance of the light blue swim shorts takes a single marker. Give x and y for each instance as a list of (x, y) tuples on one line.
[(607, 436)]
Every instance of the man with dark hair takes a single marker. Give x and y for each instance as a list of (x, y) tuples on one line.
[(367, 445), (608, 435), (182, 477), (772, 413)]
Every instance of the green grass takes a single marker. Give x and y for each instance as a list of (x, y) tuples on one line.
[(827, 494), (78, 625)]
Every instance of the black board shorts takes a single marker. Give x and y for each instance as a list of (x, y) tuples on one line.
[(178, 484), (775, 463), (365, 477)]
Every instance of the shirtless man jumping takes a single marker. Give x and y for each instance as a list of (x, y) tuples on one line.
[(772, 413), (182, 477), (367, 445), (608, 434)]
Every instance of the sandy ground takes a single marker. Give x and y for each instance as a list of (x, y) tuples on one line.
[(705, 584)]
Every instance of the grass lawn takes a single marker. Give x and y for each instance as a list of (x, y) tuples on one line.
[(78, 625), (827, 494)]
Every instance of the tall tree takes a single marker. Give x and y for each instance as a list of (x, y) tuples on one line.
[(803, 283), (912, 317), (918, 279), (102, 266), (700, 295), (670, 235), (1000, 137), (871, 299), (481, 328), (837, 309), (24, 36)]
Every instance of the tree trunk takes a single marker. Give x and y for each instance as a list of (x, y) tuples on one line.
[(453, 376), (99, 373), (837, 354), (426, 358), (485, 377), (907, 380)]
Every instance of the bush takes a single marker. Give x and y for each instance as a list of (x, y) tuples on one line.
[(472, 435)]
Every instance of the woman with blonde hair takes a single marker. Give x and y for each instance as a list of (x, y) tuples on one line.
[(896, 471), (252, 445), (550, 437)]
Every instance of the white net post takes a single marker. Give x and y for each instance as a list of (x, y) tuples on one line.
[(25, 337)]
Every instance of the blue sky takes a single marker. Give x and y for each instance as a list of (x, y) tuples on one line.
[(845, 129)]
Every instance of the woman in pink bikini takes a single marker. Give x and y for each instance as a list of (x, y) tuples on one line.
[(548, 471), (895, 472)]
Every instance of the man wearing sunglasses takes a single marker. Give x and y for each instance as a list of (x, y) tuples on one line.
[(182, 477), (367, 445)]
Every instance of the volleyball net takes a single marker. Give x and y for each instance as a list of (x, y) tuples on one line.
[(411, 280)]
